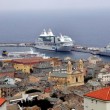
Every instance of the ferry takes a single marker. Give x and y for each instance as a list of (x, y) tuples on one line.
[(105, 51), (48, 41), (25, 54)]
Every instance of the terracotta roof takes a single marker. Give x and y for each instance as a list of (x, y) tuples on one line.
[(28, 60), (32, 60), (2, 100), (47, 90), (102, 94), (10, 74)]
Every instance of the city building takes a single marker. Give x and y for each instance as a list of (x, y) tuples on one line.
[(7, 70), (43, 67), (104, 74), (26, 64), (33, 78), (97, 100), (7, 90), (7, 80), (6, 73), (94, 59), (67, 75)]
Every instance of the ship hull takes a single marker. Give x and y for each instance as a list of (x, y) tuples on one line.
[(55, 48), (104, 53), (64, 48)]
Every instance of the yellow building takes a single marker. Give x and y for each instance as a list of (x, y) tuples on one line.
[(26, 64), (70, 77)]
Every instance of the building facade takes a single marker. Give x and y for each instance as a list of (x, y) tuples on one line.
[(7, 90), (26, 64), (94, 59), (67, 75), (104, 74), (43, 67), (97, 100)]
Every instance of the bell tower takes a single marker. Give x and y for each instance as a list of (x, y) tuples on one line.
[(81, 65), (69, 73), (69, 67)]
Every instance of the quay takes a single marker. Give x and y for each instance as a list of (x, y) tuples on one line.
[(78, 48), (85, 49), (16, 44)]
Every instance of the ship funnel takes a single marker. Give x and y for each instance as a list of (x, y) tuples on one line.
[(44, 33), (50, 33), (61, 35)]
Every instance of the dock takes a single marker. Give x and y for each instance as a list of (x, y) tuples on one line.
[(85, 49), (77, 48), (16, 44)]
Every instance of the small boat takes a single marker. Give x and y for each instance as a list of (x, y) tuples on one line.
[(4, 53)]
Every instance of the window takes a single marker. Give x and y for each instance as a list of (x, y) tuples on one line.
[(76, 79), (92, 100), (86, 106)]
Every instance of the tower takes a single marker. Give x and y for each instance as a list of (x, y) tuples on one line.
[(81, 65), (69, 72), (69, 67)]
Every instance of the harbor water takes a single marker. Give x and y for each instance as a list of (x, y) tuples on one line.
[(87, 28), (74, 55)]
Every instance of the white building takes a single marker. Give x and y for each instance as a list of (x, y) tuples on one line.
[(94, 59), (104, 75), (105, 78), (9, 80), (97, 100), (3, 104)]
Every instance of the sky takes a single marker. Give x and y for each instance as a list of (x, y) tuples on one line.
[(34, 5)]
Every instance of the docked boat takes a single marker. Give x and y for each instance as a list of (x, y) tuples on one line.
[(48, 41), (105, 51), (26, 54)]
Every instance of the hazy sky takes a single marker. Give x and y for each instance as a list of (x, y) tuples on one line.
[(23, 5)]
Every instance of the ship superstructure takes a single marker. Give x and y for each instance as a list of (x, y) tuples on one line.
[(48, 41)]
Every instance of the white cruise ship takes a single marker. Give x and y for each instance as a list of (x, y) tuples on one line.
[(48, 41)]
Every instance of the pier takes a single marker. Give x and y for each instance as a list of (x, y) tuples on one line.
[(85, 49), (77, 48), (16, 44)]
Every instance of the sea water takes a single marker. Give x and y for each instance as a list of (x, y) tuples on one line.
[(87, 28)]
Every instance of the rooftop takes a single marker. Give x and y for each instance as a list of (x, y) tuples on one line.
[(59, 74), (28, 60), (33, 60), (2, 100), (101, 94), (7, 86), (7, 74)]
